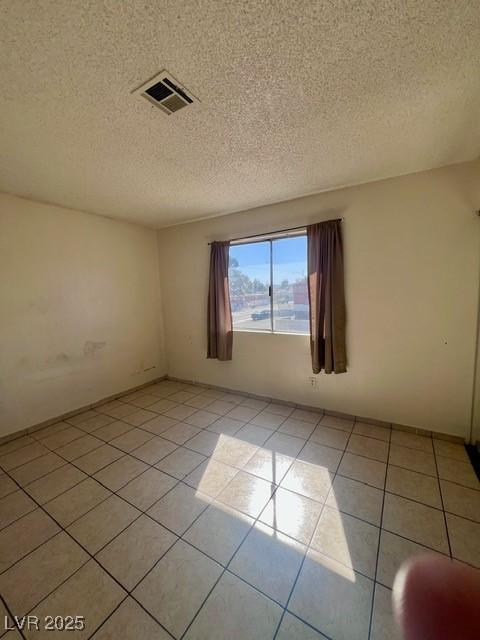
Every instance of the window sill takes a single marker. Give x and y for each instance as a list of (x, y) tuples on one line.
[(271, 333)]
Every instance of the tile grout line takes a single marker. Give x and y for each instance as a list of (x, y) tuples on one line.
[(273, 432), (379, 527), (182, 480), (308, 546), (19, 517), (108, 617), (90, 557), (115, 419), (96, 505), (124, 454), (235, 552), (225, 568), (31, 550), (131, 453), (443, 505), (115, 493), (12, 617), (225, 415), (277, 430), (379, 539), (112, 492), (181, 537)]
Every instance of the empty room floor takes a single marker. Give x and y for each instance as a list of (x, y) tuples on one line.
[(184, 512)]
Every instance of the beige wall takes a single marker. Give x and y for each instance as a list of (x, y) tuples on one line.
[(80, 315), (412, 264)]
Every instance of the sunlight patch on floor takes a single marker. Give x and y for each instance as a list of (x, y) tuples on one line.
[(290, 513)]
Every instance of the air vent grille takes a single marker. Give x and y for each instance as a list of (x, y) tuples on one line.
[(174, 103), (164, 92), (159, 91)]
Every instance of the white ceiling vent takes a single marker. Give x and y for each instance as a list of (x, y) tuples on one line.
[(164, 92)]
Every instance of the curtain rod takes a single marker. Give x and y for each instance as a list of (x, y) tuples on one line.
[(271, 233)]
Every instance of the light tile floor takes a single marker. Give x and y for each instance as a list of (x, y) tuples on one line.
[(184, 512)]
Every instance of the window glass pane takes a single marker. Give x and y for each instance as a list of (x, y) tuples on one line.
[(290, 296), (249, 276)]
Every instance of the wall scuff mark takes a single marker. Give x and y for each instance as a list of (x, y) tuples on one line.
[(91, 348)]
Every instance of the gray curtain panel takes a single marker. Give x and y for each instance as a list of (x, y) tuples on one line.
[(327, 297), (219, 320)]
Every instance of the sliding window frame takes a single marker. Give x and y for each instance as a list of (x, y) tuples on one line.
[(271, 240)]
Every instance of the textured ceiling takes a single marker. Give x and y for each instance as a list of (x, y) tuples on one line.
[(296, 97)]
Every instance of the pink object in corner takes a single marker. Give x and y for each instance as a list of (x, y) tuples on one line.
[(435, 598)]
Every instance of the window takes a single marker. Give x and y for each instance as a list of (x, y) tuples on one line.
[(268, 285)]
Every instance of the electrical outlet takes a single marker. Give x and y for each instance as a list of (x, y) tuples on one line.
[(312, 381)]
